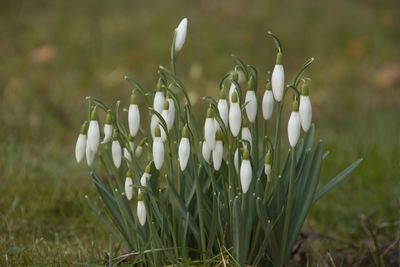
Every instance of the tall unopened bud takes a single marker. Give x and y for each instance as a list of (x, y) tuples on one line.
[(80, 147), (294, 126), (305, 108), (128, 185), (206, 151), (171, 113), (180, 34), (116, 150), (218, 151), (93, 139), (235, 115), (268, 102), (246, 172), (158, 149), (246, 134), (251, 100), (141, 210), (210, 129), (223, 108), (159, 98), (278, 78), (184, 149), (133, 116)]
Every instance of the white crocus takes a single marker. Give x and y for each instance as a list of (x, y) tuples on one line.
[(133, 116), (294, 126), (116, 150), (246, 172), (267, 165), (223, 108), (218, 151), (236, 160), (251, 101), (127, 154), (158, 149), (128, 185), (210, 129), (146, 175), (305, 109), (180, 34), (80, 147), (184, 149), (235, 115), (278, 79), (246, 134), (268, 102), (141, 211), (93, 136), (171, 113), (206, 151)]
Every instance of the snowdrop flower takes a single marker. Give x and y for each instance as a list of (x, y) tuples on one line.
[(180, 34), (128, 185), (294, 126), (80, 147), (90, 155), (246, 134), (267, 165), (108, 129), (305, 108), (236, 159), (116, 150), (141, 210), (232, 88), (235, 115), (158, 149), (93, 139), (146, 175), (210, 129), (133, 116), (206, 151), (223, 108), (245, 171), (139, 148), (171, 113), (127, 154), (153, 124), (159, 98), (184, 149), (251, 101), (218, 151), (165, 116), (278, 78), (268, 102)]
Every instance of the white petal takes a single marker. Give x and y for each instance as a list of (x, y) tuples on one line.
[(141, 212), (158, 152), (209, 132), (223, 111), (138, 151), (278, 82), (80, 147), (245, 175), (153, 124), (116, 153), (251, 106), (127, 155), (183, 152), (107, 133), (144, 179), (246, 135), (171, 115), (133, 119), (206, 151), (128, 188), (93, 139), (217, 155), (236, 160), (180, 34), (305, 111), (159, 100), (232, 89), (294, 128), (235, 119), (267, 104), (90, 155)]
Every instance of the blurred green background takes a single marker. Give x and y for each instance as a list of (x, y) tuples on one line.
[(54, 53)]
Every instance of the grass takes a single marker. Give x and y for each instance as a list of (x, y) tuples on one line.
[(51, 61)]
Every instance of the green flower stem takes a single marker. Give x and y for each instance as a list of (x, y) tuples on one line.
[(173, 55), (277, 143)]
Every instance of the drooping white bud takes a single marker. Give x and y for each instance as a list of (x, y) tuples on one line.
[(236, 160), (146, 175), (246, 172), (138, 151), (268, 102), (206, 151), (128, 186), (278, 79), (153, 124), (171, 115), (210, 129), (127, 155), (235, 116), (180, 34), (246, 135), (133, 116), (141, 212), (116, 153), (90, 155), (223, 110), (294, 126), (305, 109), (108, 129), (232, 89), (184, 149), (159, 100), (158, 149), (218, 152), (80, 146), (251, 101), (93, 136)]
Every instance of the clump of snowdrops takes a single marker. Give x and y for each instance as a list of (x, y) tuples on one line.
[(181, 188)]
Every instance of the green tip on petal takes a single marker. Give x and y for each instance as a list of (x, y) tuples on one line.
[(219, 135), (148, 168), (108, 117), (295, 105), (130, 138), (246, 154), (166, 105), (304, 89), (279, 58), (268, 158), (222, 93), (234, 97), (268, 86), (157, 132), (133, 98), (93, 115), (250, 84), (185, 132), (210, 113), (84, 127), (129, 174)]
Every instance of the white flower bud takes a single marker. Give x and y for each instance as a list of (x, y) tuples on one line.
[(90, 155), (305, 111), (141, 212), (206, 151), (127, 155), (294, 126), (128, 187), (144, 179), (217, 154), (184, 149), (235, 116), (268, 103), (159, 100), (133, 119), (171, 115), (246, 135), (116, 153), (251, 106), (210, 129), (138, 151), (223, 111), (153, 124), (232, 89), (245, 172), (158, 149), (278, 79), (108, 129), (80, 147), (236, 160), (93, 139), (180, 34)]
